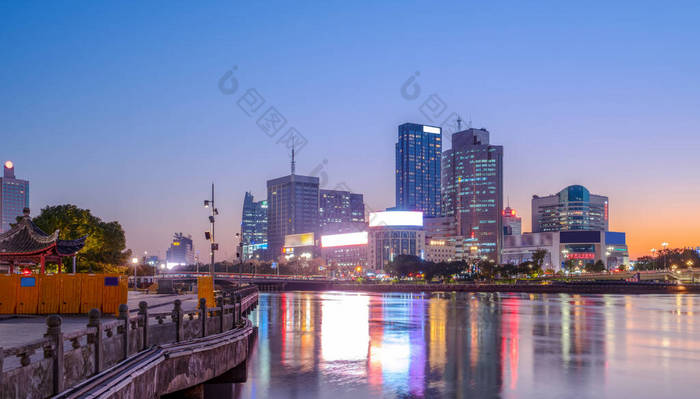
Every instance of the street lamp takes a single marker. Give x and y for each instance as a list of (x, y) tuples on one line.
[(134, 261), (210, 235), (665, 245)]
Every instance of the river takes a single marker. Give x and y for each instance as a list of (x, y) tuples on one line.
[(356, 345)]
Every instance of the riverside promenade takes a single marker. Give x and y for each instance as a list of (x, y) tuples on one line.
[(139, 353)]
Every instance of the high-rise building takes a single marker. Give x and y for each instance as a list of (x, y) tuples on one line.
[(512, 223), (292, 208), (573, 208), (253, 227), (181, 251), (418, 162), (340, 212), (472, 183), (14, 197)]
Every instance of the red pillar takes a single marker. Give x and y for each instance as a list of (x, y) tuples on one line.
[(43, 263), (12, 267)]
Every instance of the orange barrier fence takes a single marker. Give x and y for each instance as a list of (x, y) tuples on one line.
[(205, 289), (62, 293)]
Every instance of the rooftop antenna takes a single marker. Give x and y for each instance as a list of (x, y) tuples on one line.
[(470, 121), (459, 123), (293, 163)]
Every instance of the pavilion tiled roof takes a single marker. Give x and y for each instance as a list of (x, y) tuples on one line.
[(27, 238)]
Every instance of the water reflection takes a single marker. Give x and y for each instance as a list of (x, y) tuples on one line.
[(352, 345)]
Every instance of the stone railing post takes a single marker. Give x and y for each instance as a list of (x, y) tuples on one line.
[(203, 315), (96, 339), (143, 312), (124, 315), (2, 360), (239, 309), (177, 316), (220, 304), (53, 331)]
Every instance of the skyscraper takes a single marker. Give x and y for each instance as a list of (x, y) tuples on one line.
[(253, 227), (512, 223), (573, 208), (14, 197), (181, 251), (292, 208), (472, 181), (418, 162), (340, 212)]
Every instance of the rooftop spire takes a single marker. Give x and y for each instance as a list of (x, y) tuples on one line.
[(293, 163)]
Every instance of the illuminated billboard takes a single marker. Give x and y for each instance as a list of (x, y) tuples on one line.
[(299, 240), (343, 240), (431, 129), (396, 218)]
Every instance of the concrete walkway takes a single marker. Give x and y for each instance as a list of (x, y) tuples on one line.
[(20, 330)]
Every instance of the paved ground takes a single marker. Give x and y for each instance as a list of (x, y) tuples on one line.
[(19, 330)]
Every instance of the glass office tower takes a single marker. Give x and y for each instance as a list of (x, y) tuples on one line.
[(472, 181), (418, 163), (573, 208), (14, 197), (292, 208), (253, 228)]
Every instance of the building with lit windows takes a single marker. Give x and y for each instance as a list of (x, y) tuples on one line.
[(418, 163), (341, 212), (573, 208), (345, 249), (577, 247), (472, 184), (394, 233), (440, 250), (14, 197), (512, 223), (253, 228), (292, 208), (181, 251)]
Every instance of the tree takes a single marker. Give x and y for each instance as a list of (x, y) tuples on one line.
[(538, 258), (596, 267), (105, 247), (403, 265)]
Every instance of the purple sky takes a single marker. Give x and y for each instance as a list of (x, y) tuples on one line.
[(116, 107)]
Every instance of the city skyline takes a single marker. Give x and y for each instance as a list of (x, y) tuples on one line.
[(152, 129)]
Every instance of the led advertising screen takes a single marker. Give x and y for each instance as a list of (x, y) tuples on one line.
[(343, 240), (396, 218), (299, 240)]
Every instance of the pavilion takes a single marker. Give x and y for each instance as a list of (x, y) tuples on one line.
[(25, 243)]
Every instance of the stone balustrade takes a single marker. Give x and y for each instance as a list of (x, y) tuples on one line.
[(59, 361)]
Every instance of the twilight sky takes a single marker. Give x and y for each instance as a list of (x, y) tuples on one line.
[(116, 107)]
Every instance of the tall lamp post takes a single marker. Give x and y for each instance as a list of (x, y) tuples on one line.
[(209, 235), (665, 246), (135, 262)]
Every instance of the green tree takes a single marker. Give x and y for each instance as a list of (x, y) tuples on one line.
[(596, 267), (105, 247), (538, 258)]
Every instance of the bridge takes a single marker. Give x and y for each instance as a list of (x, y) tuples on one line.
[(143, 355)]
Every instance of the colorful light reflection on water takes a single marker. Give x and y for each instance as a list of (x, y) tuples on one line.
[(351, 345)]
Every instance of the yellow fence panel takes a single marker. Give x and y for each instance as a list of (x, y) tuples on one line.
[(205, 289), (114, 292), (8, 294), (91, 292), (28, 294), (70, 293), (49, 294)]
